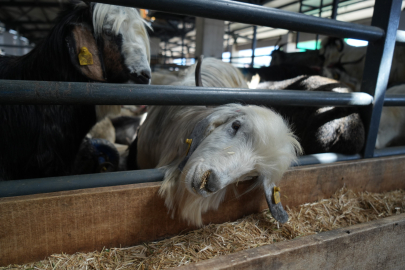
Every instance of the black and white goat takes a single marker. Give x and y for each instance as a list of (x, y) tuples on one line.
[(350, 59), (42, 141), (227, 144), (326, 129)]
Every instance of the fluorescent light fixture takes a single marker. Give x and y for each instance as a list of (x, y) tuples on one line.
[(356, 42)]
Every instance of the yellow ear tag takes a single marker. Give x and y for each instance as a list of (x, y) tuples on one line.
[(276, 195), (188, 141), (85, 57)]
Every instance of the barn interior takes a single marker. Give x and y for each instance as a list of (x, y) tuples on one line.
[(176, 40), (109, 215)]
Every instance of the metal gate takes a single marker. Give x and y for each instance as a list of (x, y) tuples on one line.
[(382, 35)]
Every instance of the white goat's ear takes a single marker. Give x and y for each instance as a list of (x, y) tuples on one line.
[(81, 43), (196, 137), (274, 203)]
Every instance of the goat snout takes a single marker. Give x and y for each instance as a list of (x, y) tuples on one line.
[(142, 77), (207, 183)]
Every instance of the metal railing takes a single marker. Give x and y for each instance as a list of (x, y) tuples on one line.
[(381, 36)]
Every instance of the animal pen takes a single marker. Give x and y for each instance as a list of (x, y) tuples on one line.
[(40, 217)]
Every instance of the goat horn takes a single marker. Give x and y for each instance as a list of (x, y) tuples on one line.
[(342, 44), (198, 81)]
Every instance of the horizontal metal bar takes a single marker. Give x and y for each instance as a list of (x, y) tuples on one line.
[(16, 46), (394, 100), (324, 158), (30, 4), (400, 36), (389, 151), (258, 15), (64, 183), (39, 92)]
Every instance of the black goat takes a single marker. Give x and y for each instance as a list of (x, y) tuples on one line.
[(280, 72), (43, 140)]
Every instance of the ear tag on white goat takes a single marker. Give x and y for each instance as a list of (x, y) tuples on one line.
[(188, 141), (85, 57), (195, 138), (272, 194), (276, 195)]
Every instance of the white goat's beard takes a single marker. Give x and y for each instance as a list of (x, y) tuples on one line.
[(189, 205)]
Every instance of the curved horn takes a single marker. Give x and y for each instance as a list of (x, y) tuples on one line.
[(198, 81), (342, 44)]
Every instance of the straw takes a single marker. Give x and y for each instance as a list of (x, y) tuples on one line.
[(345, 208)]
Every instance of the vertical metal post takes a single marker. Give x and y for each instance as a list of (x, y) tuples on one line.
[(254, 41), (297, 37), (377, 67), (165, 50), (233, 44), (335, 6), (228, 42), (320, 16), (20, 52), (183, 61)]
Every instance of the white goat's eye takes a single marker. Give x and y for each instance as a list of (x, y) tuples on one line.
[(236, 125), (108, 32)]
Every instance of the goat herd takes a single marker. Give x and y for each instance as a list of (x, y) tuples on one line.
[(201, 150)]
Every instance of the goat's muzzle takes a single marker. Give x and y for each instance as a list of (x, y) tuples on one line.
[(142, 78), (206, 184)]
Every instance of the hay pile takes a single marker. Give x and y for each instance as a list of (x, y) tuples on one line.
[(345, 208)]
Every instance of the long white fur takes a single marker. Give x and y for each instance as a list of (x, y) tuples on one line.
[(264, 146), (129, 23), (392, 122)]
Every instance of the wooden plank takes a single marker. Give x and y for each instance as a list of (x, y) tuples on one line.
[(377, 244), (35, 226)]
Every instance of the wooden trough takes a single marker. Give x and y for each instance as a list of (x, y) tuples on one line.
[(35, 226)]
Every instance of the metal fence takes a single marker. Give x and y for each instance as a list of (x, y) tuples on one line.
[(382, 35)]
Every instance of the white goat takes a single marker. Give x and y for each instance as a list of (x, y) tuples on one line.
[(163, 77), (229, 143), (391, 131)]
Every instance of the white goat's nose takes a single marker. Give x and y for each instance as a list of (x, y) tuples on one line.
[(211, 182)]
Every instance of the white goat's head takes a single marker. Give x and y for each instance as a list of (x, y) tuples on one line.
[(234, 143), (116, 37)]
